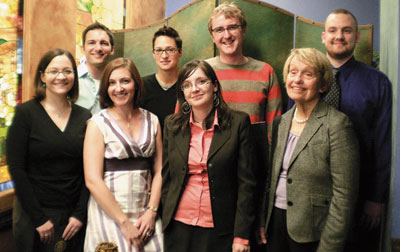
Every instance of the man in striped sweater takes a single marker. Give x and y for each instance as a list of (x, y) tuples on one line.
[(248, 85)]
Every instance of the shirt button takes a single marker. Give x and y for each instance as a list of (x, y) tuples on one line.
[(209, 165), (326, 202), (290, 203), (289, 181)]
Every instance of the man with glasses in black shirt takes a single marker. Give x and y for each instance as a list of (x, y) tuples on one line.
[(160, 97)]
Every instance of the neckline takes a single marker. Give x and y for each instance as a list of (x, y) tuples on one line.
[(55, 125), (138, 142)]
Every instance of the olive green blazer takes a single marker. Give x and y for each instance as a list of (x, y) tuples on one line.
[(322, 180), (230, 171)]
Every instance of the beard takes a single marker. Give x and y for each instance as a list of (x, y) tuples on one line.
[(343, 54)]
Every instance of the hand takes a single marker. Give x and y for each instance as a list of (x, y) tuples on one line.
[(146, 224), (260, 236), (236, 247), (72, 228), (131, 234), (371, 215), (46, 232)]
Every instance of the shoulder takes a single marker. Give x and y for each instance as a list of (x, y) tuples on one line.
[(335, 118), (239, 117), (83, 112), (30, 106), (212, 61), (260, 66), (149, 78), (370, 73), (147, 113)]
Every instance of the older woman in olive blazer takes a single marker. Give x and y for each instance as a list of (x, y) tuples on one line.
[(229, 166), (314, 182)]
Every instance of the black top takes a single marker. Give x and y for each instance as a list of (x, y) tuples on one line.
[(46, 163), (157, 100)]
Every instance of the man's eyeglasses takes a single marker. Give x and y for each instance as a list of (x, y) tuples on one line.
[(168, 51), (198, 83), (55, 73), (230, 28)]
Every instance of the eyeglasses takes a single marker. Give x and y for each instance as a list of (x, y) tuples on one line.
[(230, 28), (55, 73), (198, 83), (168, 51)]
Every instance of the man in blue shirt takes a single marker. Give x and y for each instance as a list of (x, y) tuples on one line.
[(98, 46), (366, 97)]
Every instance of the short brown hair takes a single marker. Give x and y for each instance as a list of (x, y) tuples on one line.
[(127, 63), (40, 89), (316, 60), (97, 26), (229, 10), (346, 12)]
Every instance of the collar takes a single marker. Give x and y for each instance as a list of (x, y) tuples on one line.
[(82, 68), (347, 67), (192, 123)]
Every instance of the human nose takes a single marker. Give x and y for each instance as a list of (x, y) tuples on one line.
[(298, 78), (194, 87), (60, 75), (339, 35)]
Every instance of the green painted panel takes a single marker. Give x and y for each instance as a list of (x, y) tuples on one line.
[(191, 24), (309, 35)]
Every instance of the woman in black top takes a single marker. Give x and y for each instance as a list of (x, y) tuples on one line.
[(44, 153)]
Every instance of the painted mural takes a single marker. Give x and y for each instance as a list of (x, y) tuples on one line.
[(8, 78)]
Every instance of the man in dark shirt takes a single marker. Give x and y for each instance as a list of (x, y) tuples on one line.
[(366, 97), (160, 96)]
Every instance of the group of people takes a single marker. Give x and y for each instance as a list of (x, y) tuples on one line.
[(167, 162)]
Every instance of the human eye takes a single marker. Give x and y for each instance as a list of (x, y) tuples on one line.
[(67, 71), (126, 80), (104, 43), (111, 82), (233, 27), (292, 72), (308, 75), (185, 85), (158, 51), (170, 50), (53, 72), (219, 30), (202, 82)]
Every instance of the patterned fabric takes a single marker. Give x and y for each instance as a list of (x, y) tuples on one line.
[(127, 173), (252, 88), (333, 95)]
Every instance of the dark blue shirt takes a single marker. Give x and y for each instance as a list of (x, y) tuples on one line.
[(366, 97)]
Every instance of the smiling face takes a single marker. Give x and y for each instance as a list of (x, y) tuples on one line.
[(58, 76), (340, 36), (121, 87), (303, 82), (97, 47), (166, 61), (201, 90), (229, 43)]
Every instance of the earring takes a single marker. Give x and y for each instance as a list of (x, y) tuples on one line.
[(186, 108), (44, 85), (216, 100)]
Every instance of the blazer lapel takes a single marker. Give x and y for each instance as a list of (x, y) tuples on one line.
[(219, 139), (283, 132), (182, 142), (313, 124)]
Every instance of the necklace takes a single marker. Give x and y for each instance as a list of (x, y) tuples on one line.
[(301, 121)]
